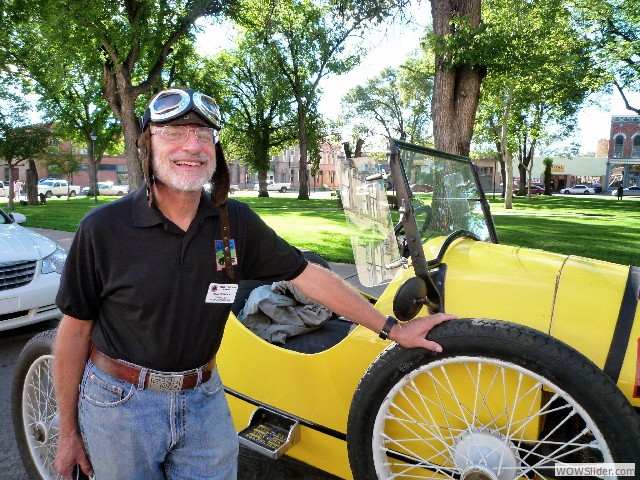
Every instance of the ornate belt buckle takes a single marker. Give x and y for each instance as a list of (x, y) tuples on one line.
[(165, 383)]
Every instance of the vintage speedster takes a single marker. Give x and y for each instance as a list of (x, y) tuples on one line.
[(540, 371)]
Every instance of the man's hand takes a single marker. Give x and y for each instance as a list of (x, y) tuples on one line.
[(71, 452), (413, 334)]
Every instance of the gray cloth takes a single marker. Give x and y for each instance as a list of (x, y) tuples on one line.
[(274, 315)]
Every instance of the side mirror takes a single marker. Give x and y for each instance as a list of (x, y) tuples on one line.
[(410, 298), (18, 217)]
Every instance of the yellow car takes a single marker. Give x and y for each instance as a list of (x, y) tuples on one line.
[(539, 378)]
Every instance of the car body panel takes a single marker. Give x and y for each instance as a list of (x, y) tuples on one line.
[(482, 280), (34, 302), (578, 189)]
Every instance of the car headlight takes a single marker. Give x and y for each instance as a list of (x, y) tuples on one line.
[(54, 262)]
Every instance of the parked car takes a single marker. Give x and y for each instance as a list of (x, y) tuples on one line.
[(579, 189), (597, 187), (30, 268), (272, 186), (629, 191), (59, 188), (108, 188), (535, 190), (4, 189), (540, 369), (233, 188)]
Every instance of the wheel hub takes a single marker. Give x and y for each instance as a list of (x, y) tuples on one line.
[(484, 455), (41, 432)]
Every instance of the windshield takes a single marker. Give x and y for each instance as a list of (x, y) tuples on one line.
[(443, 192), (364, 200)]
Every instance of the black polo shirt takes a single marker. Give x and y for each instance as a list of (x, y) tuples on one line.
[(144, 281)]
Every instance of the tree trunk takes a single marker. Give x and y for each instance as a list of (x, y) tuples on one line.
[(11, 186), (262, 184), (31, 186), (303, 193), (456, 90), (131, 131)]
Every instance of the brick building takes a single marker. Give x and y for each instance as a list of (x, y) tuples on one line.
[(623, 164)]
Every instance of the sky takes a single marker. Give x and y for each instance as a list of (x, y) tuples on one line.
[(390, 45)]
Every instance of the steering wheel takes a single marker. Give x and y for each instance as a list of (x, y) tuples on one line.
[(428, 214)]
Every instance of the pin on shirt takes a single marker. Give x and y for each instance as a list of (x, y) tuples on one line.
[(220, 254)]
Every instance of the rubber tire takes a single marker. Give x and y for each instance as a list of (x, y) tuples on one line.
[(72, 193), (583, 381), (283, 189), (38, 347), (48, 194)]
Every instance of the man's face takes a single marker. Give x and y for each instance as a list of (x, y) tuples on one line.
[(186, 165)]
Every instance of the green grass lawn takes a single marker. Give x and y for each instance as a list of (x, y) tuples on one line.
[(596, 227)]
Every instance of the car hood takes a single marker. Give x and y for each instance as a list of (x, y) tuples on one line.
[(19, 244)]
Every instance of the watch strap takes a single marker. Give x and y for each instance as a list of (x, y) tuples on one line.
[(388, 325)]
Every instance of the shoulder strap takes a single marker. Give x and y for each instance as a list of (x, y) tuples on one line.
[(226, 244)]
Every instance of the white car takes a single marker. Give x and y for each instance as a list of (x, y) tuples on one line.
[(30, 269), (108, 188), (580, 189), (630, 191)]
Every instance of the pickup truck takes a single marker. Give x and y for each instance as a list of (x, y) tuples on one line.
[(4, 189), (272, 186), (48, 188), (108, 188)]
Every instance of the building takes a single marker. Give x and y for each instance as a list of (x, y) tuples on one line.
[(623, 165), (285, 167), (112, 168)]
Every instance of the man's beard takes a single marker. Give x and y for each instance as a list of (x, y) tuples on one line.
[(188, 181)]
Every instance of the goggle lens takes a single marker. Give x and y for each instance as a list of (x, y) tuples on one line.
[(173, 103)]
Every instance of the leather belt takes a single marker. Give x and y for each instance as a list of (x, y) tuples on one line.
[(165, 382)]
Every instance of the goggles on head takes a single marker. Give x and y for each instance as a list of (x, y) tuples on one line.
[(174, 103)]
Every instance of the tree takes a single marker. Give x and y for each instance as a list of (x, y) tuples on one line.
[(614, 28), (70, 95), (542, 80), (20, 144), (256, 101), (396, 100), (548, 163), (131, 41), (459, 70), (308, 40)]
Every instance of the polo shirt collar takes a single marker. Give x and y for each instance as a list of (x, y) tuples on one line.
[(146, 216)]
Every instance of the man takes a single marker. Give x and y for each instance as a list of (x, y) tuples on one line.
[(17, 189), (620, 192), (137, 389)]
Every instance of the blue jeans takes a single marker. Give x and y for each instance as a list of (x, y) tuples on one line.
[(133, 433)]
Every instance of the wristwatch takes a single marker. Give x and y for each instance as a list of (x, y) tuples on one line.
[(388, 325)]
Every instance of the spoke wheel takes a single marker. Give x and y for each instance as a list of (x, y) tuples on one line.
[(502, 402), (34, 408)]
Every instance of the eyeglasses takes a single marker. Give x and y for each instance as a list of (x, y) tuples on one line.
[(175, 102), (179, 134)]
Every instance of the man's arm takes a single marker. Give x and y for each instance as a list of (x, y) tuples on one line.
[(73, 341), (328, 289)]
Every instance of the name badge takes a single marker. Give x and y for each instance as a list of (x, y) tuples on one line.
[(221, 293)]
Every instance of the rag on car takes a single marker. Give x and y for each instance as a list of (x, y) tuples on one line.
[(278, 311)]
